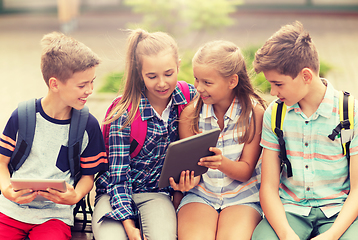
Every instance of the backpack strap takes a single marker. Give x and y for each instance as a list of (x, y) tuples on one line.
[(346, 124), (138, 126), (184, 87), (138, 133), (78, 125), (277, 117), (106, 127), (138, 130), (27, 122)]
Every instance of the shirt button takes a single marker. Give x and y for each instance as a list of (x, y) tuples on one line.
[(308, 188), (306, 144), (306, 166), (306, 122)]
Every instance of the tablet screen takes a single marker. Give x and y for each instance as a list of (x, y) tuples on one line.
[(185, 154)]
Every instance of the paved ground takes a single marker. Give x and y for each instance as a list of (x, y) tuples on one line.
[(336, 37)]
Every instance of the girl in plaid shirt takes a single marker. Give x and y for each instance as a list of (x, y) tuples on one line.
[(152, 65), (224, 204)]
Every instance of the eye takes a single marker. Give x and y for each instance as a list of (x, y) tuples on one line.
[(168, 74), (81, 86), (151, 76)]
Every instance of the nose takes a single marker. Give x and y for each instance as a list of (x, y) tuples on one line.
[(89, 89), (161, 81), (198, 87), (273, 91)]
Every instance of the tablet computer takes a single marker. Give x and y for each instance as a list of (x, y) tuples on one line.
[(185, 154), (38, 185)]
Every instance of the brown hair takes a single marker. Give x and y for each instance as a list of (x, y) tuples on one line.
[(139, 43), (288, 51), (228, 60), (62, 56)]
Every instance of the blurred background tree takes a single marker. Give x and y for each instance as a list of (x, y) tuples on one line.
[(184, 17)]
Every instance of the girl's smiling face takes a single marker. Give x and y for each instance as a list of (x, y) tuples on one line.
[(212, 87), (159, 73)]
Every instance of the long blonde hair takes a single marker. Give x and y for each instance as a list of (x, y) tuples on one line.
[(139, 43), (227, 59)]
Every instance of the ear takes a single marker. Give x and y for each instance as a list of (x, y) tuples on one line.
[(179, 64), (307, 75), (53, 84), (233, 81)]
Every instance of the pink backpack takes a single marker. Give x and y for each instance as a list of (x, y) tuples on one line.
[(139, 127)]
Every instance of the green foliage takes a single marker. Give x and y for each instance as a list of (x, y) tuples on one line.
[(158, 15), (208, 15), (113, 82), (258, 80), (186, 70), (186, 15), (324, 68)]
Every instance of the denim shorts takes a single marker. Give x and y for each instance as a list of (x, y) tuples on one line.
[(192, 197)]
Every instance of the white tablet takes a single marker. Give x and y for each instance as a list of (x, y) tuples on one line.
[(185, 154), (38, 185)]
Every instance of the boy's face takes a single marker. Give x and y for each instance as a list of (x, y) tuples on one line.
[(75, 91), (159, 74), (286, 88)]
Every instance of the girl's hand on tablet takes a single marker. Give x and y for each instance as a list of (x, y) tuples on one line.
[(213, 162), (187, 181)]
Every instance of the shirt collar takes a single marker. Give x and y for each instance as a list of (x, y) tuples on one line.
[(325, 109), (233, 111), (146, 109)]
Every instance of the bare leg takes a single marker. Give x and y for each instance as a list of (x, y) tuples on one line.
[(237, 222), (197, 221)]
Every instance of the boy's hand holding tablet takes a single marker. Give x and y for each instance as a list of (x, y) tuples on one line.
[(39, 189)]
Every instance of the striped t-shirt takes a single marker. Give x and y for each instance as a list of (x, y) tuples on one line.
[(214, 185), (320, 170)]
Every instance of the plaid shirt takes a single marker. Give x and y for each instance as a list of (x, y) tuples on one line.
[(320, 170), (140, 174)]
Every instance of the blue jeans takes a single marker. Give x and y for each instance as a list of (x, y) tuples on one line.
[(157, 213)]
